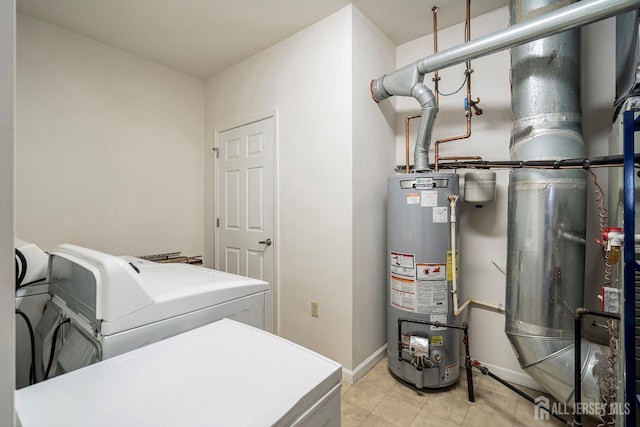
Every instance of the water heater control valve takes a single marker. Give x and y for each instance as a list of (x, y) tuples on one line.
[(419, 346)]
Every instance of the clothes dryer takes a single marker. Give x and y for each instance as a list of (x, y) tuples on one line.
[(103, 305), (222, 374)]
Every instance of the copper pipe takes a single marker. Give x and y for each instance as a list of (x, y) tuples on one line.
[(406, 138), (457, 158), (468, 22), (453, 138), (468, 111), (436, 79)]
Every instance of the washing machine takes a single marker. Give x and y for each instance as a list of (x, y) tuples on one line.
[(222, 374), (31, 296), (103, 305)]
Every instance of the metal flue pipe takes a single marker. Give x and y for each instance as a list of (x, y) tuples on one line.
[(547, 212), (547, 209), (407, 81)]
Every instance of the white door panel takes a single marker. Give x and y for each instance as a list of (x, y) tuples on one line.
[(255, 199), (245, 180), (232, 260), (232, 200)]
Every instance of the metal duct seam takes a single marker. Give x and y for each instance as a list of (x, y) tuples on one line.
[(427, 101), (627, 58), (547, 213), (546, 144), (403, 82), (406, 82), (547, 208), (547, 24)]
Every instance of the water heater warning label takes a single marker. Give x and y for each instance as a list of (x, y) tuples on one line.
[(431, 271), (442, 318), (440, 215), (403, 265), (429, 198), (431, 297), (413, 198), (437, 340), (450, 265), (403, 293)]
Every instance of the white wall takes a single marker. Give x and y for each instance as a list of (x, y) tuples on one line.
[(125, 125), (484, 231), (7, 277), (307, 79), (373, 162), (109, 147), (598, 93)]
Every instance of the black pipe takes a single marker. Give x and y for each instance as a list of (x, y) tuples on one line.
[(53, 347), (486, 371), (21, 268), (467, 364), (32, 367), (583, 163), (464, 327), (577, 370), (581, 312), (437, 324)]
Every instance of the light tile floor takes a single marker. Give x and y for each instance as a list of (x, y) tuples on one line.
[(379, 399)]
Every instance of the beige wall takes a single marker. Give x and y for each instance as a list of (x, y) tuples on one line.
[(7, 277), (335, 150), (373, 162), (109, 147), (307, 80), (110, 155), (598, 92)]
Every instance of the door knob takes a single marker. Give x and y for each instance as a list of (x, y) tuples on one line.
[(265, 242)]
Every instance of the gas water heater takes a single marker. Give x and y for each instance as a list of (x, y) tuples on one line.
[(420, 273)]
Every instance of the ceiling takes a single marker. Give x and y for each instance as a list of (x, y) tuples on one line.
[(203, 37)]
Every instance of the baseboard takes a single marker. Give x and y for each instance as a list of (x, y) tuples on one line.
[(353, 376), (520, 378)]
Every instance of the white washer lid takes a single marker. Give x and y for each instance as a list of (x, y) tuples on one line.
[(182, 288), (222, 374), (123, 293)]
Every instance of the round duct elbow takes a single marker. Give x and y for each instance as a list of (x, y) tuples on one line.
[(551, 361)]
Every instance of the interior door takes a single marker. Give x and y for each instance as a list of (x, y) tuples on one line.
[(245, 180)]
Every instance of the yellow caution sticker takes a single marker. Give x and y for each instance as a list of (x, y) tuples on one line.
[(437, 340), (449, 262)]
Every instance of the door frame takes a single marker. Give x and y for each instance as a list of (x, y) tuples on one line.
[(274, 289)]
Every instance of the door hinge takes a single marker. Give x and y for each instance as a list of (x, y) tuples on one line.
[(218, 222), (217, 151)]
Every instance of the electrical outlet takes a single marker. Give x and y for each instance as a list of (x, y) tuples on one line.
[(315, 308)]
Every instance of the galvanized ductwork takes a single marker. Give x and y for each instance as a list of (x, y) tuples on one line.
[(627, 58), (397, 85), (407, 81), (547, 209), (546, 222)]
